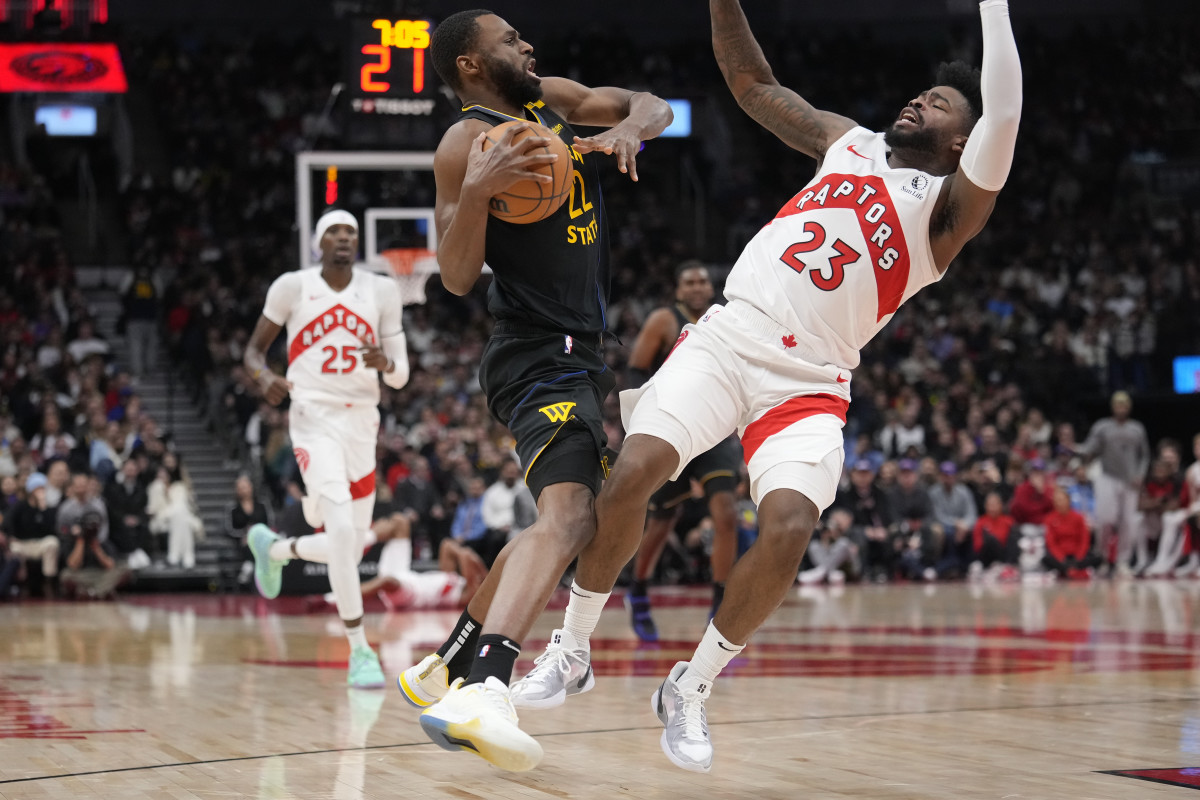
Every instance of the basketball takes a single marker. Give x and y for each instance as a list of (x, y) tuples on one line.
[(529, 201)]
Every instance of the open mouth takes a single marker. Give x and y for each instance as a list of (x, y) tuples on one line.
[(909, 117), (529, 68)]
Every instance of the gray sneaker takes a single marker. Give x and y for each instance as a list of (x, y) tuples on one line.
[(679, 704), (564, 669)]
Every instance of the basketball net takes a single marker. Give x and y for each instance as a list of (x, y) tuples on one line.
[(412, 267)]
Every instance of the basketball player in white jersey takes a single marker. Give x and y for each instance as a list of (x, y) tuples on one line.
[(884, 216), (343, 332), (459, 571)]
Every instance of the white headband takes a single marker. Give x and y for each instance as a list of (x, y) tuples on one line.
[(327, 221)]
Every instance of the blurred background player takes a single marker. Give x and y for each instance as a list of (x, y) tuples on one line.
[(343, 331), (543, 369), (715, 470), (1123, 449), (459, 571), (884, 216)]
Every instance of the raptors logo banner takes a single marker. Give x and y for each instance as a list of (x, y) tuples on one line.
[(53, 67)]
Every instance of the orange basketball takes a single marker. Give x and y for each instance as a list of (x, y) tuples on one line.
[(529, 201)]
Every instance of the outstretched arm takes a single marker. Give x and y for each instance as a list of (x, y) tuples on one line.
[(781, 111), (987, 156)]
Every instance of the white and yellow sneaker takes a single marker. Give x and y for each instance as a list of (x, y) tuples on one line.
[(425, 683), (480, 718)]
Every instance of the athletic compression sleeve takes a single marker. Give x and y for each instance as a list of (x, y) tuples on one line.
[(989, 152), (392, 340), (395, 347)]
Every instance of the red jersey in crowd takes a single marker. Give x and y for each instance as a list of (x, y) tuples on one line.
[(1067, 535), (997, 526), (1031, 506)]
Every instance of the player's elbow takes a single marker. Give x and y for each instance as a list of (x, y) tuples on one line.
[(459, 281), (459, 288)]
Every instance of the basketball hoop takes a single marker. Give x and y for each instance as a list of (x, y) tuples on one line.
[(412, 267)]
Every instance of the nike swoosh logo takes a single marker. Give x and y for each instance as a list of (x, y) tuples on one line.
[(850, 147), (577, 594), (723, 647), (583, 680), (511, 646), (840, 379)]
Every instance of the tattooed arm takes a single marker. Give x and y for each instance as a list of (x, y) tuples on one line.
[(778, 109)]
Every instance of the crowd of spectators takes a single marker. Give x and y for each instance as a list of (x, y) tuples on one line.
[(84, 469), (1085, 281)]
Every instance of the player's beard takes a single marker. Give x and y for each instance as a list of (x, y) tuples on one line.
[(514, 84), (921, 140)]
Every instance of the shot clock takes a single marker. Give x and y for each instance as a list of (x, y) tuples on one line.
[(389, 71)]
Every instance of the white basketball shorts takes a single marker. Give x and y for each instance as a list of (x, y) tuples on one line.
[(737, 369), (335, 448)]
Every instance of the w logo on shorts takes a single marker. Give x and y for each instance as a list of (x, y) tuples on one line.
[(302, 458), (558, 412)]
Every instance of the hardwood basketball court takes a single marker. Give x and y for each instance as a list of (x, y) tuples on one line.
[(947, 691)]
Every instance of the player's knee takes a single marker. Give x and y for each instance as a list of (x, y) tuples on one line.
[(644, 465), (569, 512), (786, 531)]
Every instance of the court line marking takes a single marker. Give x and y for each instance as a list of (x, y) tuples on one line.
[(629, 729)]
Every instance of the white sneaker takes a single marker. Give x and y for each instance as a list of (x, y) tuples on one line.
[(480, 718), (563, 670), (425, 683), (837, 577), (679, 704), (1189, 568), (811, 576), (975, 571)]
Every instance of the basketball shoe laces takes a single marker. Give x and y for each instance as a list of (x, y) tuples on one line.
[(691, 715), (497, 700), (554, 658)]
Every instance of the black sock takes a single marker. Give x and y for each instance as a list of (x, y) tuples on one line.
[(718, 595), (638, 587), (459, 649), (495, 658)]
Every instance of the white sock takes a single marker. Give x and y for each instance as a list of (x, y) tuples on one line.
[(314, 547), (357, 637), (711, 656), (583, 612), (281, 550)]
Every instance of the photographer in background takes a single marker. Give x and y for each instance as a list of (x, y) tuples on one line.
[(91, 570), (82, 498)]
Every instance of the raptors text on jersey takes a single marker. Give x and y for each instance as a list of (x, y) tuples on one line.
[(326, 328), (842, 255)]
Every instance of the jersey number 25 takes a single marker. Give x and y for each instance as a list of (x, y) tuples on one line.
[(348, 359)]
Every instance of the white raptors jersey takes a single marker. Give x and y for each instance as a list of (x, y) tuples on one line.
[(325, 329), (843, 254)]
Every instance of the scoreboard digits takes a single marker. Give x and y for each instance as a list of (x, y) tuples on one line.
[(403, 34), (388, 68)]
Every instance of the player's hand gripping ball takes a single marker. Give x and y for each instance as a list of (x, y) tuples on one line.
[(530, 200)]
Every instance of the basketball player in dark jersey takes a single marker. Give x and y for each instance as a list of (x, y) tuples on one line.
[(543, 368), (716, 470)]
